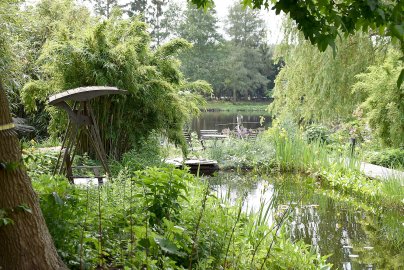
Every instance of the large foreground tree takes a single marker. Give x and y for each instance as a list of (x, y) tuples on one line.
[(24, 237), (25, 242)]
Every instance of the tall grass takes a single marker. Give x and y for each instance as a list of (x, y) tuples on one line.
[(393, 191), (293, 153)]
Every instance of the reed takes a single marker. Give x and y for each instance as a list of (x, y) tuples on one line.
[(293, 153)]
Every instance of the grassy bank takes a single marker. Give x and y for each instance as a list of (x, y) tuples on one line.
[(280, 150), (235, 106)]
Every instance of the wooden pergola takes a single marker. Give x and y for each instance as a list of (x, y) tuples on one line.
[(81, 119)]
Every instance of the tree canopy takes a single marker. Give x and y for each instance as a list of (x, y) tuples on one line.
[(238, 64), (321, 22), (245, 26)]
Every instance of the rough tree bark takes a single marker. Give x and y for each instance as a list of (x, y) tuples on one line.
[(25, 244)]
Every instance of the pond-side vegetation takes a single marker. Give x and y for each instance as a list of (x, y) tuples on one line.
[(279, 202), (164, 218), (227, 106)]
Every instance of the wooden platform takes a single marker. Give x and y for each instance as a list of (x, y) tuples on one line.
[(205, 166)]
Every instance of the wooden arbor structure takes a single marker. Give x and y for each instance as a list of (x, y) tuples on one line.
[(81, 119)]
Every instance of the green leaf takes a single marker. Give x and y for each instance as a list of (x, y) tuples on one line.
[(12, 165), (6, 221), (168, 246), (398, 31), (58, 200), (25, 208), (144, 242), (334, 49)]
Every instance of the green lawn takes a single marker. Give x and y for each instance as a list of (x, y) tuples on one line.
[(235, 106)]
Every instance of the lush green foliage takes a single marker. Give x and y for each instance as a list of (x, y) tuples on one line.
[(116, 52), (146, 154), (315, 86), (9, 69), (384, 106), (316, 132), (390, 158), (204, 59), (322, 21), (244, 154), (294, 153), (161, 218), (240, 68), (8, 10), (154, 13), (149, 217), (355, 87), (245, 26), (235, 106)]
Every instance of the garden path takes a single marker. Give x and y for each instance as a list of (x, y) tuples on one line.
[(379, 172)]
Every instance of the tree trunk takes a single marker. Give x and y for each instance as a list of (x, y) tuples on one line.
[(25, 244)]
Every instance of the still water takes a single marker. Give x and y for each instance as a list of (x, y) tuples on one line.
[(222, 120), (357, 236)]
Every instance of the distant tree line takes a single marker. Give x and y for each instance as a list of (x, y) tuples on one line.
[(238, 62)]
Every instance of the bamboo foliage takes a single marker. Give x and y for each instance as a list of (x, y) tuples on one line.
[(116, 52)]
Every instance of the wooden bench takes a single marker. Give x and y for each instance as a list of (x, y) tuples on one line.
[(96, 170), (211, 134), (252, 136), (208, 132)]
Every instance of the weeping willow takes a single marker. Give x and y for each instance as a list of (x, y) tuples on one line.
[(384, 107), (116, 52), (317, 86)]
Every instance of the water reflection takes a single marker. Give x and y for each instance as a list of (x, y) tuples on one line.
[(222, 120), (329, 226)]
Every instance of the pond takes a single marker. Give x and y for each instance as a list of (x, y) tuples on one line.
[(221, 120), (356, 235)]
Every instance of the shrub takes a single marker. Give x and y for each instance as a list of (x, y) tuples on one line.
[(146, 154), (391, 158), (316, 132), (244, 153), (161, 218)]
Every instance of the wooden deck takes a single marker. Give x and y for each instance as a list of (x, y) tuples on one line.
[(204, 166)]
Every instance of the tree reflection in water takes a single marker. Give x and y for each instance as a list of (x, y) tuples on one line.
[(357, 236)]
